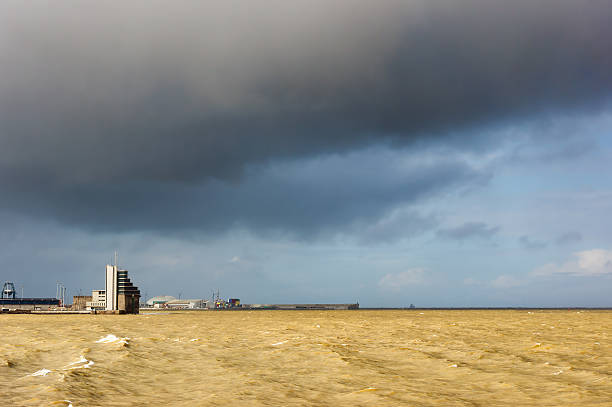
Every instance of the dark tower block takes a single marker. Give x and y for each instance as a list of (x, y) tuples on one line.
[(128, 295)]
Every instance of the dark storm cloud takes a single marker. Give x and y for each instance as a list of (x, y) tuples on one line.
[(470, 230), (158, 103), (324, 196)]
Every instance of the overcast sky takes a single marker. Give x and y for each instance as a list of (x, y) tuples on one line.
[(435, 152)]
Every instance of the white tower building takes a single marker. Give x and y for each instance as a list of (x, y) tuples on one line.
[(111, 288)]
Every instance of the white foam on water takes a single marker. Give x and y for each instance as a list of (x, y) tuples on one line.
[(85, 366), (41, 372), (82, 363), (107, 339), (81, 360), (110, 338), (194, 339), (279, 343)]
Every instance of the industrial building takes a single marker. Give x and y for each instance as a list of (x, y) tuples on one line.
[(8, 300), (79, 302), (185, 304), (167, 301), (160, 299), (170, 302), (119, 295)]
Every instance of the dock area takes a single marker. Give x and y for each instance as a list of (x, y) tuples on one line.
[(258, 307), (303, 306)]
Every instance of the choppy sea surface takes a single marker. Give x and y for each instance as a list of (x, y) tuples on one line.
[(308, 358)]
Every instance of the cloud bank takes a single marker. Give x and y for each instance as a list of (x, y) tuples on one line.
[(595, 262), (178, 111)]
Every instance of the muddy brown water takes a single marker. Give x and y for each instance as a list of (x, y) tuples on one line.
[(308, 358)]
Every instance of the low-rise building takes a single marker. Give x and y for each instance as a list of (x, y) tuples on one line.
[(159, 300), (98, 300), (185, 304), (31, 304), (79, 302)]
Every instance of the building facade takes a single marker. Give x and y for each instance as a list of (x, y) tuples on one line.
[(185, 304), (119, 294), (32, 304), (97, 301), (80, 302)]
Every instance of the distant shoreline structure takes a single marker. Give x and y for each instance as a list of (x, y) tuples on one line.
[(275, 308), (281, 307), (272, 308), (485, 308)]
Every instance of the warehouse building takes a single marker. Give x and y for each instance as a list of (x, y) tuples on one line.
[(31, 304), (168, 301), (79, 302), (159, 300), (9, 300)]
